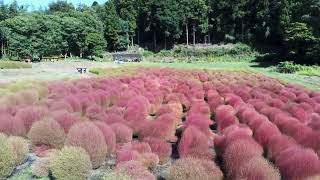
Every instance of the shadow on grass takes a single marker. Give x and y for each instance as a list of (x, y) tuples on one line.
[(266, 60)]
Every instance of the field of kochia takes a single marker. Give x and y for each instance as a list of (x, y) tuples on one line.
[(200, 124)]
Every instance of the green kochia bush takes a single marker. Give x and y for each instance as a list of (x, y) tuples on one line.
[(72, 163), (7, 157)]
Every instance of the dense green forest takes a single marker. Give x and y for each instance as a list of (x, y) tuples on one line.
[(290, 28)]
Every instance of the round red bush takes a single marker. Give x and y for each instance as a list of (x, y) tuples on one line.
[(89, 137), (123, 133), (298, 163), (160, 147), (65, 119), (194, 143), (11, 125), (109, 135), (238, 152)]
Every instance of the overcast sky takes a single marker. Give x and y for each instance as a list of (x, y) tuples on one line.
[(36, 4)]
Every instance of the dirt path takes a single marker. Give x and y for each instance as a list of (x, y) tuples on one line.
[(52, 71)]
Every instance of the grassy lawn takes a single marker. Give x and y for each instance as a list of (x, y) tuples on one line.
[(309, 82), (14, 65)]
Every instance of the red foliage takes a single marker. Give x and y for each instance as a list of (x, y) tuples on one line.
[(199, 108), (315, 122), (194, 143), (29, 115), (258, 168), (149, 160), (172, 97), (89, 137), (41, 150), (74, 103), (135, 170), (101, 97), (317, 99), (246, 113), (279, 143), (215, 102), (239, 152), (109, 135), (112, 118), (12, 110), (60, 105), (307, 107), (310, 139), (172, 108), (115, 110), (256, 121), (263, 133), (277, 103), (159, 147), (258, 104), (315, 94), (269, 111), (288, 94), (11, 125), (201, 122), (123, 133), (298, 163), (140, 147), (139, 102), (163, 127), (282, 120), (125, 155), (231, 134), (225, 116), (135, 118), (298, 112), (233, 100), (94, 111), (65, 119)]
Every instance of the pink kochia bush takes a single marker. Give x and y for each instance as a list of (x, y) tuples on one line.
[(112, 117), (94, 111), (109, 135), (89, 137), (277, 144), (265, 131), (135, 170), (298, 163), (11, 125), (162, 127), (135, 118), (230, 134), (239, 152), (125, 155), (160, 147), (138, 151), (225, 116), (194, 143), (201, 122), (29, 115), (123, 133), (65, 119), (258, 168), (200, 107)]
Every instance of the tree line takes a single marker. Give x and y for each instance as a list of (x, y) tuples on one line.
[(289, 27)]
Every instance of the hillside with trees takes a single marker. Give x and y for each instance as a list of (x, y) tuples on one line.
[(289, 28)]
